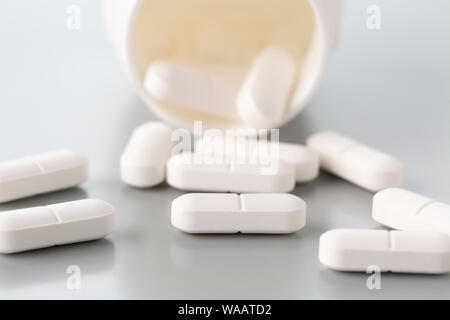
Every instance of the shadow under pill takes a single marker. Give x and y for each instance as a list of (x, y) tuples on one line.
[(188, 250), (249, 265), (50, 264), (45, 199), (354, 285)]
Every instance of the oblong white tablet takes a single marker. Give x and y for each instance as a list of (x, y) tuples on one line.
[(262, 100), (305, 160), (42, 173), (232, 213), (196, 172), (404, 210), (58, 224), (143, 162), (395, 251), (357, 163), (193, 88)]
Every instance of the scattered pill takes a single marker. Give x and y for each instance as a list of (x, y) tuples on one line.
[(239, 147), (197, 172), (143, 162), (305, 160), (245, 213), (42, 173), (59, 224), (263, 97), (357, 163), (193, 88), (404, 210), (394, 251)]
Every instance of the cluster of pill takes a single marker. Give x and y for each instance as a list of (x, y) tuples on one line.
[(57, 224), (249, 200), (252, 97)]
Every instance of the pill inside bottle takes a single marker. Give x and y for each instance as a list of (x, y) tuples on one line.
[(219, 39)]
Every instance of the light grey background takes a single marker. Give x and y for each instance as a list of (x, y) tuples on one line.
[(60, 88)]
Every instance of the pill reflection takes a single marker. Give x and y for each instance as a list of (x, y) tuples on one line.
[(40, 267)]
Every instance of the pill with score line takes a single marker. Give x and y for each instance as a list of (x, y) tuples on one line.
[(58, 224), (405, 210), (42, 173), (394, 251), (196, 172), (245, 213), (357, 163), (305, 160)]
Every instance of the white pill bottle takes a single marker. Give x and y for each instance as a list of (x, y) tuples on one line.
[(227, 34)]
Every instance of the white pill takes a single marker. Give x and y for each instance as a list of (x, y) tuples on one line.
[(305, 160), (43, 173), (394, 251), (59, 224), (197, 172), (404, 210), (189, 87), (232, 213), (357, 163), (143, 162), (264, 95)]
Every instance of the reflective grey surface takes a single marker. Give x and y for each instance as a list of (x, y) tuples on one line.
[(60, 88)]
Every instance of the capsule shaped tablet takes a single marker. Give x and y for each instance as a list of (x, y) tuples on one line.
[(404, 210), (59, 224), (354, 162), (394, 251), (305, 160), (263, 98), (143, 162), (193, 88), (245, 213), (195, 172), (43, 173)]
